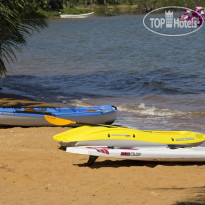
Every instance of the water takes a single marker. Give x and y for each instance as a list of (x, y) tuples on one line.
[(157, 82)]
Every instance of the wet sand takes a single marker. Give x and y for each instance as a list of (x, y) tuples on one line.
[(33, 170)]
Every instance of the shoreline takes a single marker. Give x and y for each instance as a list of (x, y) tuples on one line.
[(110, 9), (100, 10), (13, 100), (34, 170)]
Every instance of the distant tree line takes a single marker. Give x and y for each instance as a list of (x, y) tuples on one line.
[(60, 4), (143, 5)]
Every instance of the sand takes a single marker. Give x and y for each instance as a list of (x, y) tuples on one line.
[(33, 170)]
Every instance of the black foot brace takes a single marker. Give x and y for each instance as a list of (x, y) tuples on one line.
[(91, 160)]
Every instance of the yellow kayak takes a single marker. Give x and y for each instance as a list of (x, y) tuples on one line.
[(126, 137)]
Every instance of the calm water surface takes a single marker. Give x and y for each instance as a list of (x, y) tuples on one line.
[(156, 82)]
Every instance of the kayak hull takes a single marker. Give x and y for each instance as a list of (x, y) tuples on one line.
[(144, 154), (126, 137), (36, 116), (121, 143)]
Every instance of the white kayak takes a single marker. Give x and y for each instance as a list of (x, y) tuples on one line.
[(156, 153)]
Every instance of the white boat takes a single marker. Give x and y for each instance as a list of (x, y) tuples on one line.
[(76, 16)]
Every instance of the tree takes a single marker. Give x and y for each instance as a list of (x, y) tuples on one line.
[(18, 20), (147, 5), (55, 4)]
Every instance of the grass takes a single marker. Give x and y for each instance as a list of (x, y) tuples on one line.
[(50, 14), (77, 10)]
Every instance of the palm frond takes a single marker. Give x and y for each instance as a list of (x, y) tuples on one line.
[(2, 67), (18, 20)]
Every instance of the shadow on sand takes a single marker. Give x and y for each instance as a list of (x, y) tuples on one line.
[(131, 163), (199, 199)]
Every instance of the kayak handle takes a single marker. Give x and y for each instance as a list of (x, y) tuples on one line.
[(114, 107)]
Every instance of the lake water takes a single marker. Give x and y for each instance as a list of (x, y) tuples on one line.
[(157, 82)]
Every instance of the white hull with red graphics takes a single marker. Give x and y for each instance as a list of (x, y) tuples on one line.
[(156, 153)]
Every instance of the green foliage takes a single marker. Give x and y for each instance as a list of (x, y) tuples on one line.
[(103, 10), (50, 14), (18, 19), (145, 6), (52, 5), (116, 10), (103, 6), (75, 10)]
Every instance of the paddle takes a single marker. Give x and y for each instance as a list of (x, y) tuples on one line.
[(63, 122), (58, 121)]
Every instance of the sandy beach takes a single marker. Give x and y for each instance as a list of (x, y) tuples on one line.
[(33, 170)]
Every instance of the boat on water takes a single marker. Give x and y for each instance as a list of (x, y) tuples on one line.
[(77, 16), (126, 143), (105, 114)]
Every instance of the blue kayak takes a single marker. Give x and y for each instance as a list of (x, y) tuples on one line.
[(105, 114)]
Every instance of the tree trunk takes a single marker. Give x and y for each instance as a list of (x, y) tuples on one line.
[(76, 2)]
